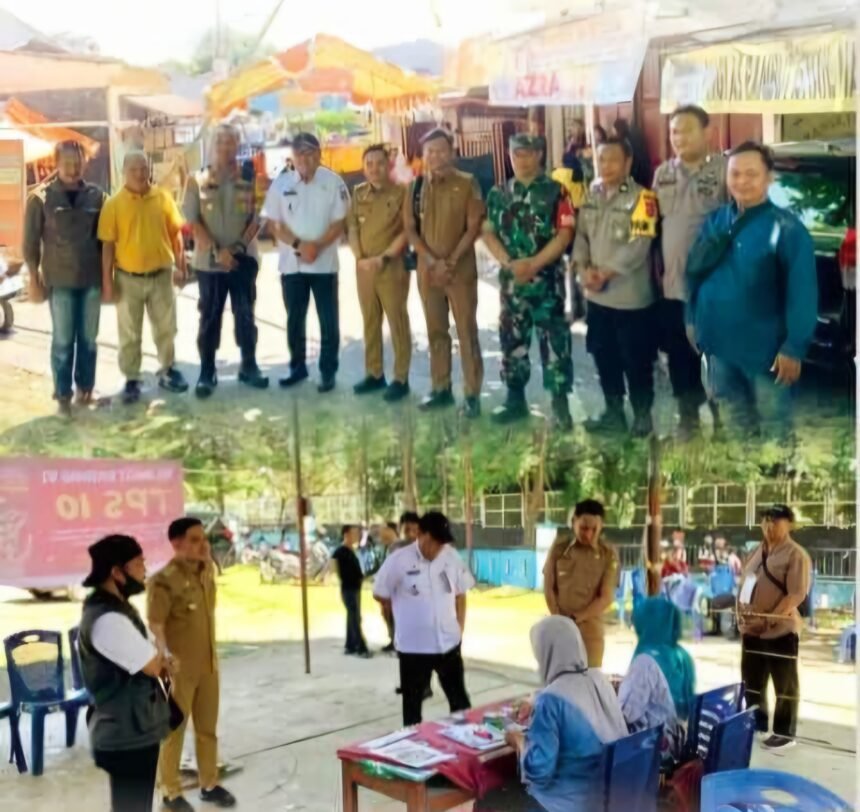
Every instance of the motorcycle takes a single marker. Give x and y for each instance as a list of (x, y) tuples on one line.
[(11, 284)]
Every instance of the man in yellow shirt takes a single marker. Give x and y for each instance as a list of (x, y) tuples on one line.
[(140, 229)]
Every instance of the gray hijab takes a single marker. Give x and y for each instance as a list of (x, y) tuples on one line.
[(563, 668)]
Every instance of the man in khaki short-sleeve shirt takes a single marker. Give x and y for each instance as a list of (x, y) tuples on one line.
[(580, 577)]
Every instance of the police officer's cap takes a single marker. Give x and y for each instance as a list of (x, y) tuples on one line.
[(305, 142), (110, 552), (437, 526), (526, 141)]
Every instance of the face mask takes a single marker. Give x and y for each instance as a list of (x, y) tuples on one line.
[(131, 587)]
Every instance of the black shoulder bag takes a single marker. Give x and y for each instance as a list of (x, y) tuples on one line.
[(410, 260), (803, 606)]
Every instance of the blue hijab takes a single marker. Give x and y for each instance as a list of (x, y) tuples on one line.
[(657, 622)]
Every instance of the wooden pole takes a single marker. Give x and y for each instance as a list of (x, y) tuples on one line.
[(301, 509), (468, 498), (365, 476), (654, 526)]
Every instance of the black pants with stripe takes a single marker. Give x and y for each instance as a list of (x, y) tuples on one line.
[(132, 777), (416, 671), (764, 660)]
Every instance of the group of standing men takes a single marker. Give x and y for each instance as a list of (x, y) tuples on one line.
[(748, 305)]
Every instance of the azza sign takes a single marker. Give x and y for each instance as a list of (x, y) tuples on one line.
[(51, 511)]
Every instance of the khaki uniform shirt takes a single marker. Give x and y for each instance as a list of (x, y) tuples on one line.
[(575, 575), (790, 565), (443, 207), (376, 217), (685, 198), (225, 207), (614, 233), (181, 597)]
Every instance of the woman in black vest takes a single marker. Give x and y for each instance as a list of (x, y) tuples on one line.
[(121, 670)]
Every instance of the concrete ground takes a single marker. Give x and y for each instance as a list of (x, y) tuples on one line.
[(283, 727)]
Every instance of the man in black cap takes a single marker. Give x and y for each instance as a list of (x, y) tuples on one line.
[(307, 209), (424, 586), (774, 588), (121, 667)]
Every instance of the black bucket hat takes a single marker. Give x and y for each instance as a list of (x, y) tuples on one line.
[(110, 552)]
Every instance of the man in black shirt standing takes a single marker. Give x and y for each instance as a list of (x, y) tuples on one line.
[(351, 576)]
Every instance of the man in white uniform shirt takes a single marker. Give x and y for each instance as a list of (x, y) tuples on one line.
[(425, 586), (307, 209)]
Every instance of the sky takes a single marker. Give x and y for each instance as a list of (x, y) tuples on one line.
[(161, 30)]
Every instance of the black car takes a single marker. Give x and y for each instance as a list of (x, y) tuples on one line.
[(816, 180)]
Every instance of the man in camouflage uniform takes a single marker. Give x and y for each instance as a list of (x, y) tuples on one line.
[(529, 225)]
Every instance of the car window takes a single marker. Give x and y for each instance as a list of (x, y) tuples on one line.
[(822, 201)]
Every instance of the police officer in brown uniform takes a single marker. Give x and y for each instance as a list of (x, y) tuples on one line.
[(181, 614), (443, 218), (377, 239), (580, 577)]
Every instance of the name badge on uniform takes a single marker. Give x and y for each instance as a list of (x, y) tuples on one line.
[(414, 571), (747, 589)]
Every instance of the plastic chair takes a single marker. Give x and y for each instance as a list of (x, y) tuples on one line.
[(687, 595), (721, 581), (740, 790), (731, 743), (34, 660), (848, 645), (16, 752), (633, 772), (709, 709)]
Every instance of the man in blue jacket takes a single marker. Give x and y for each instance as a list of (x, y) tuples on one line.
[(753, 297)]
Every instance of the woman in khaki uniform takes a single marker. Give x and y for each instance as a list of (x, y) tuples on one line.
[(580, 577)]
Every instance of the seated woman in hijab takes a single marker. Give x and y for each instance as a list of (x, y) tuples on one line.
[(574, 716), (660, 685)]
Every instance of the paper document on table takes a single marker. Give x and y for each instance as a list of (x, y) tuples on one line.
[(476, 737), (416, 755), (384, 741)]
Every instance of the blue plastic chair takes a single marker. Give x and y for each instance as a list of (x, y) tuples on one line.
[(743, 790), (847, 651), (709, 709), (721, 581), (632, 775), (16, 752), (731, 743), (640, 587), (34, 660)]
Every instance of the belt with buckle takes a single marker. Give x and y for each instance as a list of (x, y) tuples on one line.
[(144, 274)]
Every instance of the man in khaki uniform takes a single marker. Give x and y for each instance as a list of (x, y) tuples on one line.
[(580, 577), (377, 239), (775, 582), (443, 218), (181, 614)]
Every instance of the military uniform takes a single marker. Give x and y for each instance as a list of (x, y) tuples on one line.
[(225, 206), (614, 233), (685, 198), (181, 598), (575, 575), (525, 218), (375, 220)]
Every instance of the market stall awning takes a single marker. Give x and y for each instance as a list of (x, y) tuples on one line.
[(26, 121), (169, 105), (796, 74), (325, 64)]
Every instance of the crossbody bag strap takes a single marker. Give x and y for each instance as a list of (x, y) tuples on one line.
[(782, 587)]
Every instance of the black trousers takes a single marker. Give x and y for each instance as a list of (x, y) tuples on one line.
[(297, 289), (215, 286), (763, 660), (623, 344), (416, 671), (355, 642), (132, 777), (685, 364)]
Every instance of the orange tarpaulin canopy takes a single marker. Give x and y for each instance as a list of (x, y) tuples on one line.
[(325, 64), (17, 113)]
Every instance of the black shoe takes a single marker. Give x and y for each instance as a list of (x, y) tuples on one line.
[(612, 421), (206, 386), (327, 384), (389, 649), (251, 376), (471, 408), (365, 655), (178, 804), (131, 393), (295, 377), (561, 419), (369, 385), (218, 796), (643, 426), (396, 391), (516, 408), (437, 400), (778, 744), (173, 381)]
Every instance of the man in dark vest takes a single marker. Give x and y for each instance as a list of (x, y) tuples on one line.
[(121, 667)]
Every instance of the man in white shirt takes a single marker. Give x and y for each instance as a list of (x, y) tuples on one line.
[(424, 585), (307, 210)]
